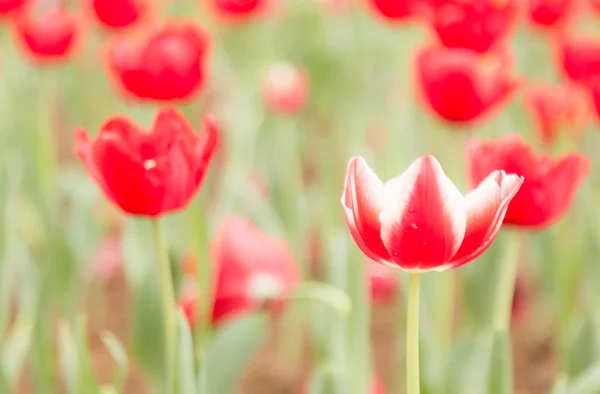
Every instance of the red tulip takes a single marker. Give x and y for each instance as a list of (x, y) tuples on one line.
[(550, 184), (48, 38), (552, 108), (595, 6), (285, 89), (579, 57), (119, 14), (236, 10), (10, 6), (253, 268), (419, 221), (148, 173), (549, 13), (478, 25), (459, 87), (169, 65), (383, 283), (393, 10)]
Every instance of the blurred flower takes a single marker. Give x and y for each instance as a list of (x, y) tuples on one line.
[(236, 10), (119, 14), (47, 38), (549, 13), (148, 174), (554, 107), (376, 386), (550, 184), (579, 57), (253, 270), (394, 10), (10, 6), (383, 283), (475, 24), (170, 64), (285, 88), (419, 221), (461, 86), (521, 302), (107, 258)]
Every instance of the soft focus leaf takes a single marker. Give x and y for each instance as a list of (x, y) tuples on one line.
[(119, 355), (588, 382), (185, 363), (469, 364), (232, 348), (14, 351)]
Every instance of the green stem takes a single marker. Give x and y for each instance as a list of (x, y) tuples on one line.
[(412, 335), (168, 302), (505, 288)]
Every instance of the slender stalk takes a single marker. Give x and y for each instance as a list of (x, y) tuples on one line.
[(412, 335), (505, 288), (168, 302)]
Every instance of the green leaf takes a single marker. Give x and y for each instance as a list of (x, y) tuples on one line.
[(561, 385), (231, 349), (185, 362), (579, 347), (501, 378), (326, 294), (119, 355), (588, 382), (69, 363), (469, 367), (15, 350)]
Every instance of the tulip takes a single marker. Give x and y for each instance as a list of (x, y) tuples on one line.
[(285, 89), (579, 58), (478, 25), (377, 387), (48, 38), (549, 13), (236, 10), (420, 222), (253, 269), (550, 184), (393, 10), (7, 7), (554, 107), (459, 87), (119, 14), (383, 283), (170, 64), (148, 174)]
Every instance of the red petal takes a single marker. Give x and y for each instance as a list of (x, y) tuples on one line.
[(423, 219), (487, 205), (362, 201)]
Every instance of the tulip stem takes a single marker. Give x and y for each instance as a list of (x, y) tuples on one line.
[(505, 287), (412, 335), (168, 302)]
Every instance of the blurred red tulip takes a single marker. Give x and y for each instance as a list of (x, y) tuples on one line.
[(10, 6), (393, 10), (236, 10), (377, 387), (253, 268), (107, 258), (579, 57), (551, 108), (119, 14), (169, 65), (419, 221), (549, 13), (148, 174), (383, 283), (285, 88), (48, 38), (595, 6), (461, 86), (550, 184), (475, 24)]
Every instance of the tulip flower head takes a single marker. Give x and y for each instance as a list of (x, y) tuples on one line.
[(550, 184), (478, 25), (148, 174), (420, 221), (551, 108), (236, 10), (119, 14), (579, 57), (549, 13), (285, 89), (393, 10), (8, 7), (383, 283), (461, 86), (48, 38), (170, 64)]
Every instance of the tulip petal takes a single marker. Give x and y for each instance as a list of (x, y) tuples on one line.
[(83, 150), (362, 201), (423, 218), (486, 207)]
